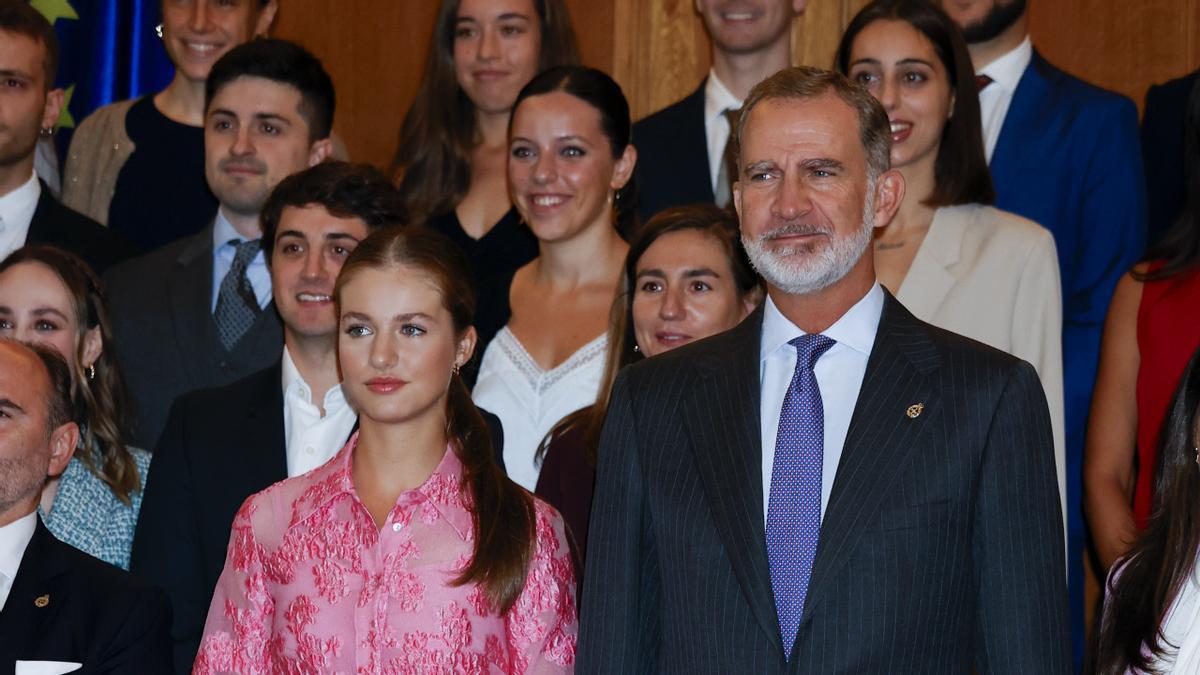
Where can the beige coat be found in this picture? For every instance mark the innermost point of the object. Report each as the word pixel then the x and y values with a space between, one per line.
pixel 993 276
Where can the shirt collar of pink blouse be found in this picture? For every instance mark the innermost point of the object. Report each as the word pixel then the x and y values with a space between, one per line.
pixel 442 489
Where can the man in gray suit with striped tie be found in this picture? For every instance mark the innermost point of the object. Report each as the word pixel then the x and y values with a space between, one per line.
pixel 833 486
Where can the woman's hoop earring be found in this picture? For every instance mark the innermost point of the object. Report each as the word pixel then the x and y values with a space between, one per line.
pixel 1197 451
pixel 456 368
pixel 158 30
pixel 91 372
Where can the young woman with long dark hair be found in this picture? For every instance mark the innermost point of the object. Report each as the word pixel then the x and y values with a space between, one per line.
pixel 51 297
pixel 951 258
pixel 1151 618
pixel 409 551
pixel 1151 330
pixel 569 168
pixel 450 163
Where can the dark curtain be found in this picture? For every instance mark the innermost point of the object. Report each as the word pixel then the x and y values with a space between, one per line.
pixel 110 52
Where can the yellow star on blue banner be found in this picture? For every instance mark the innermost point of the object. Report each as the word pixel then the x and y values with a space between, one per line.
pixel 54 10
pixel 65 120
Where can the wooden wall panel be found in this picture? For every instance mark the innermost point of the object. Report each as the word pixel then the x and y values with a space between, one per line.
pixel 1122 46
pixel 658 51
pixel 374 51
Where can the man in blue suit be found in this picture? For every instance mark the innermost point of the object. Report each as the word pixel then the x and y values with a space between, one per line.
pixel 1065 154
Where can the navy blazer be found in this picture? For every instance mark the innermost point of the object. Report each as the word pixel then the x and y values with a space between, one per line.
pixel 1163 131
pixel 1069 158
pixel 672 166
pixel 54 224
pixel 67 606
pixel 940 547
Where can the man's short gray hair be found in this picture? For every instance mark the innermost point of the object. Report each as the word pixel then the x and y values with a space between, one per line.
pixel 804 83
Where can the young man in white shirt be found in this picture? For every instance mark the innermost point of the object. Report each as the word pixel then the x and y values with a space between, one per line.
pixel 681 148
pixel 222 445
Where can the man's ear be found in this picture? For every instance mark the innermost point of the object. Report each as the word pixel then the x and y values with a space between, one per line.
pixel 320 151
pixel 798 6
pixel 53 108
pixel 266 16
pixel 62 447
pixel 889 194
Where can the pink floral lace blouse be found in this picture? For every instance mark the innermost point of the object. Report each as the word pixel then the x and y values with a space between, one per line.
pixel 310 585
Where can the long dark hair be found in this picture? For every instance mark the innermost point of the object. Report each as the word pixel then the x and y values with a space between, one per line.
pixel 960 171
pixel 1179 248
pixel 595 88
pixel 501 513
pixel 1149 578
pixel 438 134
pixel 707 219
pixel 101 402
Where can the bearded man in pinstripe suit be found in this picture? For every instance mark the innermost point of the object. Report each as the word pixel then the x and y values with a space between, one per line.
pixel 833 486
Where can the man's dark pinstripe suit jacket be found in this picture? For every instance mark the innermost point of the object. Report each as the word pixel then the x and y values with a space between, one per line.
pixel 940 549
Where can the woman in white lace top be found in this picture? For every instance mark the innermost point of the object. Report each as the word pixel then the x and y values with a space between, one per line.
pixel 569 162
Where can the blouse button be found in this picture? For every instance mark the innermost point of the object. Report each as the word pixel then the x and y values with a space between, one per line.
pixel 396 527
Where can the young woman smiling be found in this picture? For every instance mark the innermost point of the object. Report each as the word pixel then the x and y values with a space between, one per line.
pixel 409 551
pixel 947 256
pixel 453 149
pixel 570 158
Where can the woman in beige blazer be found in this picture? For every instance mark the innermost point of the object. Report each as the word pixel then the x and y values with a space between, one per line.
pixel 951 259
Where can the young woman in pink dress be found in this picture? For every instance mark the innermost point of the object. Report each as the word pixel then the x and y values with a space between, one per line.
pixel 380 561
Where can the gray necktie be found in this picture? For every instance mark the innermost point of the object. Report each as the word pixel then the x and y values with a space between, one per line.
pixel 727 175
pixel 237 305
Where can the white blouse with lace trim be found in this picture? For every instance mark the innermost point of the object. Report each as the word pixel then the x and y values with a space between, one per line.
pixel 529 401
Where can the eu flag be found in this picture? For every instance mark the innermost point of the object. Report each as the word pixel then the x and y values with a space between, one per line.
pixel 110 52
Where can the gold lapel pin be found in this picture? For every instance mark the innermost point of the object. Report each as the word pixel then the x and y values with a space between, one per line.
pixel 914 410
pixel 42 601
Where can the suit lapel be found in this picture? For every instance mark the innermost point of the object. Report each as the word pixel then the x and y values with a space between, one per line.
pixel 881 438
pixel 35 600
pixel 694 128
pixel 1022 126
pixel 723 422
pixel 42 228
pixel 190 291
pixel 930 277
pixel 264 431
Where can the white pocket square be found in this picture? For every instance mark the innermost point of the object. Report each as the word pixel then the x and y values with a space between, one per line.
pixel 46 667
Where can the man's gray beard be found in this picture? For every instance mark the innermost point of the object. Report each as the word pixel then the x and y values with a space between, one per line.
pixel 798 271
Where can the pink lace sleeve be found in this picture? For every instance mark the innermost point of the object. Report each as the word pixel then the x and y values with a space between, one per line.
pixel 542 625
pixel 237 631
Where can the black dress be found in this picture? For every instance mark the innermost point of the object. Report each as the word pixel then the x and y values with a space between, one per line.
pixel 494 259
pixel 161 193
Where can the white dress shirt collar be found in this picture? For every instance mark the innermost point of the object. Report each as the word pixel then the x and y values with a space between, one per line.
pixel 14 539
pixel 223 231
pixel 16 213
pixel 1007 70
pixel 717 99
pixel 855 329
pixel 994 100
pixel 310 437
pixel 839 374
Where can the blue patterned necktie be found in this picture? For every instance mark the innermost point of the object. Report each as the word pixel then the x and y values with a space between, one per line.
pixel 794 509
pixel 237 305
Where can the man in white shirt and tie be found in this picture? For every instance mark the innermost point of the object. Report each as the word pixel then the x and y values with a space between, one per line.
pixel 197 313
pixel 833 486
pixel 681 148
pixel 224 444
pixel 59 606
